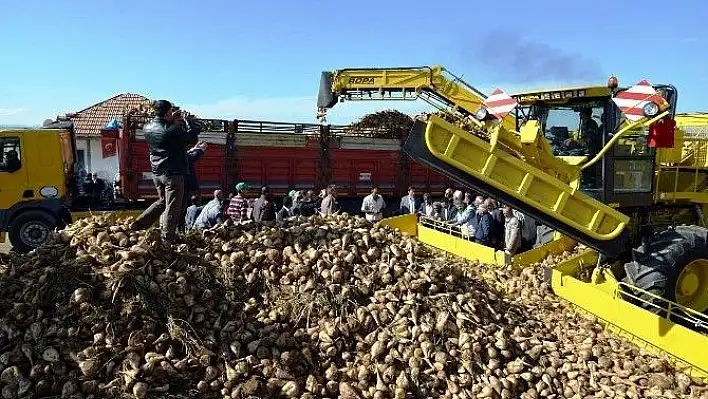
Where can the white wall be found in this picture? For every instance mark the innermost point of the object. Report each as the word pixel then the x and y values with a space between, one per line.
pixel 94 161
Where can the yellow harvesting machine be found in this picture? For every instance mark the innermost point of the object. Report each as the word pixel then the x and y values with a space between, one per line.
pixel 614 168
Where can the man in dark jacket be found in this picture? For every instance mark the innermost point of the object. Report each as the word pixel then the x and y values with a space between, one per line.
pixel 449 210
pixel 309 204
pixel 194 154
pixel 263 208
pixel 167 136
pixel 99 186
pixel 411 203
pixel 191 183
pixel 11 163
pixel 496 233
pixel 484 225
pixel 286 211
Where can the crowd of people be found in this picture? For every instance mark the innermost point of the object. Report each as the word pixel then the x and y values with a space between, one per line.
pixel 239 207
pixel 483 220
pixel 179 208
pixel 477 218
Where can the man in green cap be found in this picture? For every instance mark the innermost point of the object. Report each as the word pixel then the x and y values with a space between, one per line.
pixel 238 206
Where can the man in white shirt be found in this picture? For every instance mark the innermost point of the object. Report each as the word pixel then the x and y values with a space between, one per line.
pixel 373 206
pixel 427 205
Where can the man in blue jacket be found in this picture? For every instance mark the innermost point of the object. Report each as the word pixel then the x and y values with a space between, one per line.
pixel 167 136
pixel 192 212
pixel 483 232
pixel 212 213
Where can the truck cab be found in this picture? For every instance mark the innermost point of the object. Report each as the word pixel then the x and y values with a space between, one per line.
pixel 36 182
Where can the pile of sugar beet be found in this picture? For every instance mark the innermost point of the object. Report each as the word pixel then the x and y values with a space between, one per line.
pixel 312 308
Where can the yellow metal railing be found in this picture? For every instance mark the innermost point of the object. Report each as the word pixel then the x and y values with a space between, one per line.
pixel 692 135
pixel 456 240
pixel 669 310
pixel 445 227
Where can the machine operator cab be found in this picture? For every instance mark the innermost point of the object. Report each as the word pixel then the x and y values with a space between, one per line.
pixel 579 123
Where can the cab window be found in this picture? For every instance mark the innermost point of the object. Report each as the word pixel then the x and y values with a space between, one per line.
pixel 573 130
pixel 634 164
pixel 10 154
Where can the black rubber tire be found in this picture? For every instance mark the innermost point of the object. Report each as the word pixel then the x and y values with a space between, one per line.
pixel 655 267
pixel 41 220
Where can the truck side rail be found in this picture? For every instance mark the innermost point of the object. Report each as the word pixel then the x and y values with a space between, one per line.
pixel 309 129
pixel 135 121
pixel 270 127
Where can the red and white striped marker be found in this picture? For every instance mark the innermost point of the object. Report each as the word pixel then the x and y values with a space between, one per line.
pixel 499 104
pixel 632 101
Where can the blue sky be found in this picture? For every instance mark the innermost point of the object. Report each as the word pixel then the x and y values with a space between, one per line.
pixel 262 59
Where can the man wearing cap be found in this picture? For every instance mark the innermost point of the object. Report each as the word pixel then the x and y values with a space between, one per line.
pixel 238 206
pixel 167 136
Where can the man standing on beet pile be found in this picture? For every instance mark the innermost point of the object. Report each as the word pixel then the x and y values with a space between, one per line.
pixel 167 136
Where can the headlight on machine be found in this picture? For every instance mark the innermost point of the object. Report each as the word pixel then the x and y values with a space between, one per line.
pixel 481 114
pixel 651 109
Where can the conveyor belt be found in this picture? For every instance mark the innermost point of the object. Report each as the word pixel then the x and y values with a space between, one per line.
pixel 472 162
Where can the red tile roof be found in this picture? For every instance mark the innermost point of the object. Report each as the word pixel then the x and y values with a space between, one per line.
pixel 89 122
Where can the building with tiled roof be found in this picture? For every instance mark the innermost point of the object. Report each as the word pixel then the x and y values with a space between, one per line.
pixel 88 124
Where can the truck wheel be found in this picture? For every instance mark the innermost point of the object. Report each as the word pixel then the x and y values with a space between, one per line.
pixel 674 266
pixel 31 229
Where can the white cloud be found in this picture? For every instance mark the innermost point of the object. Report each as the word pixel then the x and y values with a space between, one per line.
pixel 27 117
pixel 12 111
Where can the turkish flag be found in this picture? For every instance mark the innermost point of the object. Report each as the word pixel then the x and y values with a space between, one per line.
pixel 109 147
pixel 661 133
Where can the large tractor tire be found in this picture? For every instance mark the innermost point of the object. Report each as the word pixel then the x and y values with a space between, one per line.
pixel 31 229
pixel 673 266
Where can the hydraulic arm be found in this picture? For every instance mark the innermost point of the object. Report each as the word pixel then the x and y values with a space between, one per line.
pixel 445 91
pixel 433 84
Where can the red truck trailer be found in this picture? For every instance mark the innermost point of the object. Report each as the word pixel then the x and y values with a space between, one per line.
pixel 283 156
